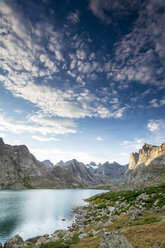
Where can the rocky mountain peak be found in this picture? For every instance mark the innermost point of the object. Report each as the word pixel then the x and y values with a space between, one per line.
pixel 1 141
pixel 48 164
pixel 146 155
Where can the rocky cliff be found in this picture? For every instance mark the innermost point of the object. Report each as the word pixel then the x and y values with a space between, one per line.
pixel 107 172
pixel 146 155
pixel 48 164
pixel 20 169
pixel 79 171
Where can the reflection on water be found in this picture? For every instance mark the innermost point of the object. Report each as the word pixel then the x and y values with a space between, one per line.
pixel 35 212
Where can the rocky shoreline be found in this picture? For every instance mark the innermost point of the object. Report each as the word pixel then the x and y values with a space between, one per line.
pixel 109 220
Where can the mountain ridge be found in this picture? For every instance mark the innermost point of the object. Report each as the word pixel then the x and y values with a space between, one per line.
pixel 146 155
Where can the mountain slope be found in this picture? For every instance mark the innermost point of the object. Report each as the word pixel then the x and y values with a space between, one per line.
pixel 146 167
pixel 20 169
pixel 107 172
pixel 79 171
pixel 66 179
pixel 146 155
pixel 48 164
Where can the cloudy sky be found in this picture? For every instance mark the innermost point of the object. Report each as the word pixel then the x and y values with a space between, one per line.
pixel 82 79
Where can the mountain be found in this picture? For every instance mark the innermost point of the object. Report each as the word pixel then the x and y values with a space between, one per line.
pixel 66 179
pixel 107 172
pixel 146 155
pixel 20 169
pixel 48 164
pixel 146 167
pixel 60 163
pixel 79 171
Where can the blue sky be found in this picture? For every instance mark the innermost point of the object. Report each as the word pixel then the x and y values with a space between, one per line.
pixel 82 79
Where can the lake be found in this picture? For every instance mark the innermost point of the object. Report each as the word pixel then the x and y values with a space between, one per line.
pixel 37 212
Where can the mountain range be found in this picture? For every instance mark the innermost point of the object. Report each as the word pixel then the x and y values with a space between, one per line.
pixel 20 169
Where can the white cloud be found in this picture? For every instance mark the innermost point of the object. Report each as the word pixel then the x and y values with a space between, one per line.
pixel 133 62
pixel 154 125
pixel 157 103
pixel 99 138
pixel 18 111
pixel 81 54
pixel 24 60
pixel 100 8
pixel 137 143
pixel 45 127
pixel 44 139
pixel 74 17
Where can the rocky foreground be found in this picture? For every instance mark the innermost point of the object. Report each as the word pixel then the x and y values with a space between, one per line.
pixel 122 219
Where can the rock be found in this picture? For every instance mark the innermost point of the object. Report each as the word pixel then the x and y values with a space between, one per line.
pixel 156 202
pixel 114 240
pixel 111 209
pixel 68 236
pixel 32 240
pixel 136 214
pixel 142 197
pixel 83 235
pixel 163 208
pixel 14 242
pixel 162 218
pixel 146 155
pixel 1 245
pixel 102 231
pixel 92 232
pixel 58 234
pixel 107 223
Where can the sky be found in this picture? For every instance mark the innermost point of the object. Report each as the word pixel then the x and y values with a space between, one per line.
pixel 82 79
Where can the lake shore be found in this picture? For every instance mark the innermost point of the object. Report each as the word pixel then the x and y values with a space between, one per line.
pixel 135 218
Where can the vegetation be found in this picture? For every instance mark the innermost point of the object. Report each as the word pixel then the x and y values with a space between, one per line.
pixel 146 231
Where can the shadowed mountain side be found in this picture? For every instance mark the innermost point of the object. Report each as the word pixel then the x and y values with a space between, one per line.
pixel 20 169
pixel 107 172
pixel 66 179
pixel 48 164
pixel 79 171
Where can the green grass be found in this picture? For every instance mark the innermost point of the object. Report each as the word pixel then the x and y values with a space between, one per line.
pixel 129 196
pixel 145 221
pixel 56 244
pixel 61 243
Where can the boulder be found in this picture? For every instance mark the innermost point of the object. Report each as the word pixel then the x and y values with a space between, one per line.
pixel 14 242
pixel 142 197
pixel 32 240
pixel 114 240
pixel 136 214
pixel 83 235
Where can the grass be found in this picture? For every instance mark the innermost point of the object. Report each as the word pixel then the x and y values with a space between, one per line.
pixel 61 243
pixel 129 197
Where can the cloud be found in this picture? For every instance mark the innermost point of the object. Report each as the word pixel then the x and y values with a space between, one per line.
pixel 140 54
pixel 18 111
pixel 44 126
pixel 157 103
pixel 74 17
pixel 137 143
pixel 26 60
pixel 99 138
pixel 154 125
pixel 100 8
pixel 44 139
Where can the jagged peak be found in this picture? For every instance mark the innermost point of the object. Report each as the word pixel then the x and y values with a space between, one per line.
pixel 1 141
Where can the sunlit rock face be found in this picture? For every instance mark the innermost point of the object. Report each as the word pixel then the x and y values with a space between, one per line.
pixel 147 155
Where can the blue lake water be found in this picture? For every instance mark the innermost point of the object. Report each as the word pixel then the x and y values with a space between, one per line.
pixel 36 212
